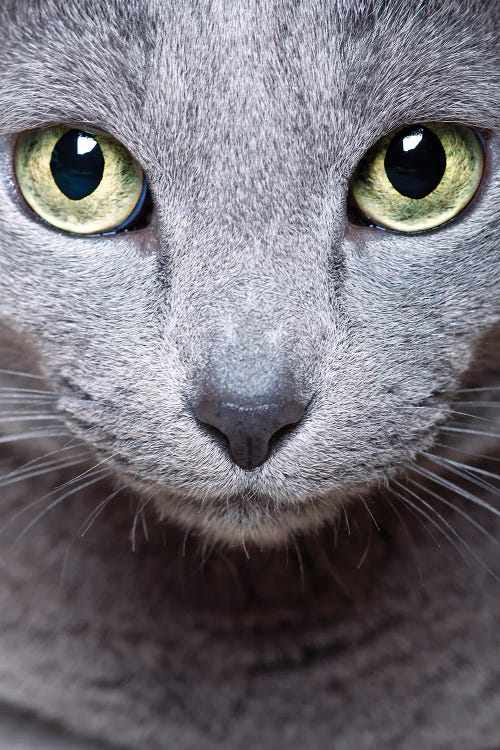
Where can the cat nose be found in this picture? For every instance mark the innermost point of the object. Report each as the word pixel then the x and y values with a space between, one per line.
pixel 250 428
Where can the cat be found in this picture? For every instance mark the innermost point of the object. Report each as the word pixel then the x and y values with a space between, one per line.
pixel 250 490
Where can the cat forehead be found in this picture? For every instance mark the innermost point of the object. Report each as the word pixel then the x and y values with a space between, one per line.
pixel 344 70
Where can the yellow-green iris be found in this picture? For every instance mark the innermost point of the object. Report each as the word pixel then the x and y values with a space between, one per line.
pixel 419 176
pixel 77 181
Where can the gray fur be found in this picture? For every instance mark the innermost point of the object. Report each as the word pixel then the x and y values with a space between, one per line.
pixel 249 122
pixel 249 119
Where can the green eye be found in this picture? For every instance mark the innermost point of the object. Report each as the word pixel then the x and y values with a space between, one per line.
pixel 79 182
pixel 419 176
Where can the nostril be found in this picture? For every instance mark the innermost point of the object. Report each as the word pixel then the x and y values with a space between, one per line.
pixel 248 431
pixel 218 436
pixel 281 435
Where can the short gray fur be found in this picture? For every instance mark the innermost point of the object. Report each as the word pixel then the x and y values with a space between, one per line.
pixel 249 119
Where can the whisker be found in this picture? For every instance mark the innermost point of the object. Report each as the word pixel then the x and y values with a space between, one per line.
pixel 347 525
pixel 367 548
pixel 481 483
pixel 430 518
pixel 91 471
pixel 300 561
pixel 85 526
pixel 455 488
pixel 31 417
pixel 12 401
pixel 368 510
pixel 474 390
pixel 32 391
pixel 415 515
pixel 244 547
pixel 441 460
pixel 99 476
pixel 15 399
pixel 68 447
pixel 466 431
pixel 43 461
pixel 207 551
pixel 138 513
pixel 33 435
pixel 187 534
pixel 453 412
pixel 91 519
pixel 467 452
pixel 145 529
pixel 17 373
pixel 88 471
pixel 477 403
pixel 454 532
pixel 43 469
pixel 471 416
pixel 456 509
pixel 406 530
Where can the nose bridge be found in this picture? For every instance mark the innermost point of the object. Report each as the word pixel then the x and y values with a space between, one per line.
pixel 253 353
pixel 249 307
pixel 250 317
pixel 252 347
pixel 261 258
pixel 258 307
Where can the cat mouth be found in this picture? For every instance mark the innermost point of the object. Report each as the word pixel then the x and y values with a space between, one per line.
pixel 253 515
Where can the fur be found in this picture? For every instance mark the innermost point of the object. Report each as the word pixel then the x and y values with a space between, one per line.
pixel 249 119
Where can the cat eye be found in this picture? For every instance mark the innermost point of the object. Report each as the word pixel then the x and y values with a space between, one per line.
pixel 418 177
pixel 81 182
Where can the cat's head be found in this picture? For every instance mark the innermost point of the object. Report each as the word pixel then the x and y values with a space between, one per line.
pixel 253 353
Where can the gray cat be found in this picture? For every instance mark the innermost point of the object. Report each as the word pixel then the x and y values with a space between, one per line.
pixel 249 306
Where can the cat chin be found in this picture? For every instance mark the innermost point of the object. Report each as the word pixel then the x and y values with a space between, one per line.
pixel 243 521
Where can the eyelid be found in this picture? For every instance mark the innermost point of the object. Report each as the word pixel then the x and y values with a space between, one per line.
pixel 89 128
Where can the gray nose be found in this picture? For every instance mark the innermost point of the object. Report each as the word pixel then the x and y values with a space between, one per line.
pixel 250 428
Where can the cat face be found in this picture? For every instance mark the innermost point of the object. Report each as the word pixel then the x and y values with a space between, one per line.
pixel 252 357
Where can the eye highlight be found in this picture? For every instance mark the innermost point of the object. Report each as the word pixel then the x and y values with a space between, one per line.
pixel 80 182
pixel 419 176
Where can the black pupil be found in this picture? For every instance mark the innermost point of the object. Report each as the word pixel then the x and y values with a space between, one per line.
pixel 77 164
pixel 415 162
